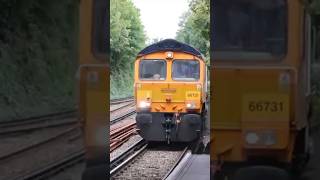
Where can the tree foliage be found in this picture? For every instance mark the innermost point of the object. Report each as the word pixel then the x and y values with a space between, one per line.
pixel 312 6
pixel 127 38
pixel 195 26
pixel 126 33
pixel 37 56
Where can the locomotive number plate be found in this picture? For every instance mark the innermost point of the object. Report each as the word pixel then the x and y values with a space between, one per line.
pixel 192 95
pixel 265 105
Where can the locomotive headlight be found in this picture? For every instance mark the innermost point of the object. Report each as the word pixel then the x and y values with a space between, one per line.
pixel 252 138
pixel 144 104
pixel 265 138
pixel 191 105
pixel 169 55
pixel 269 138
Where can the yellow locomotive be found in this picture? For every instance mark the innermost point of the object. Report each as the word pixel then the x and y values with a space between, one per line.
pixel 261 85
pixel 170 85
pixel 94 86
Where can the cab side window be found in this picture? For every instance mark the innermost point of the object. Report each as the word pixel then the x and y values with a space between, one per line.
pixel 100 41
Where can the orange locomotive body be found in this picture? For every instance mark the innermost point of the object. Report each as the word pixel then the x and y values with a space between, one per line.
pixel 261 84
pixel 94 85
pixel 170 92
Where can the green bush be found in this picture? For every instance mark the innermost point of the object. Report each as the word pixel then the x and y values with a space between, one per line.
pixel 121 83
pixel 195 27
pixel 38 57
pixel 127 38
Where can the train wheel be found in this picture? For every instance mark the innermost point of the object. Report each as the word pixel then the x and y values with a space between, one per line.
pixel 261 173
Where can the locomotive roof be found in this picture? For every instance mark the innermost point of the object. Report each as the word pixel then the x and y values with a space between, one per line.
pixel 169 45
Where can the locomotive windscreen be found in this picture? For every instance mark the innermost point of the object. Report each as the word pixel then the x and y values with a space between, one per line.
pixel 250 26
pixel 100 26
pixel 185 70
pixel 152 70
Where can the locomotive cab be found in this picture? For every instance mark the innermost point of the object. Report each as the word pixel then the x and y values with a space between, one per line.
pixel 170 92
pixel 261 84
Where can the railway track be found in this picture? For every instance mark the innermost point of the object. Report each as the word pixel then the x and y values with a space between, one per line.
pixel 53 119
pixel 56 119
pixel 54 167
pixel 122 128
pixel 122 116
pixel 36 144
pixel 142 161
pixel 39 122
pixel 24 146
pixel 124 109
pixel 120 161
pixel 120 107
pixel 121 134
pixel 43 166
pixel 121 100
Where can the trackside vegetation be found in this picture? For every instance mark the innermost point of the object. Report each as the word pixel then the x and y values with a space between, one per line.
pixel 38 57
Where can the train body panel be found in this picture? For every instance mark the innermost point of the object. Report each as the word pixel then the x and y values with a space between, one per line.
pixel 93 74
pixel 261 103
pixel 259 93
pixel 170 97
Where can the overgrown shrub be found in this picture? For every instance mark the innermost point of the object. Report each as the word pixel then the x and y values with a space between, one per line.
pixel 127 38
pixel 121 83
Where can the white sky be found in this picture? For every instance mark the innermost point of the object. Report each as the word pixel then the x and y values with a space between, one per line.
pixel 160 18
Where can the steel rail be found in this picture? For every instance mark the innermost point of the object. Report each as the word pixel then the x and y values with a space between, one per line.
pixel 122 117
pixel 122 107
pixel 121 100
pixel 37 144
pixel 34 123
pixel 176 163
pixel 128 155
pixel 54 167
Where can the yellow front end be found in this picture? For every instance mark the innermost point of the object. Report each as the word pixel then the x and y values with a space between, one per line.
pixel 251 114
pixel 170 96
